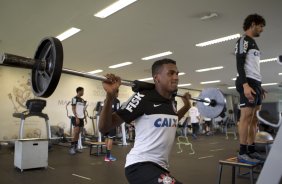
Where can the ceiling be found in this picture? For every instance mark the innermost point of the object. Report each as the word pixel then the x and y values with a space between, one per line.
pixel 144 28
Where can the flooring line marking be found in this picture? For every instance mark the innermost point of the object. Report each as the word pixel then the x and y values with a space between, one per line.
pixel 96 163
pixel 210 156
pixel 214 142
pixel 220 149
pixel 81 177
pixel 51 167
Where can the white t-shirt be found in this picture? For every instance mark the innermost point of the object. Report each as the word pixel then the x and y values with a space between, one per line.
pixel 79 104
pixel 194 114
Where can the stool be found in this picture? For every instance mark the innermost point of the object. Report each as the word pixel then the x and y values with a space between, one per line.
pixel 233 162
pixel 99 148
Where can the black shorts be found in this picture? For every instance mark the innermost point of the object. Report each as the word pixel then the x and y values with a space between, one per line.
pixel 81 122
pixel 208 123
pixel 111 134
pixel 256 85
pixel 148 172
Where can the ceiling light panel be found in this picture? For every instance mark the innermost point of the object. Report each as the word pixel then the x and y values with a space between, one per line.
pixel 120 65
pixel 118 5
pixel 146 79
pixel 95 71
pixel 269 84
pixel 218 40
pixel 267 60
pixel 182 85
pixel 68 33
pixel 210 82
pixel 157 55
pixel 209 69
pixel 232 87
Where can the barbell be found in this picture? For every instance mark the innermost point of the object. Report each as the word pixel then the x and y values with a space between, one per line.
pixel 47 66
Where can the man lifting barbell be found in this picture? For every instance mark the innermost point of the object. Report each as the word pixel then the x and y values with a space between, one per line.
pixel 156 119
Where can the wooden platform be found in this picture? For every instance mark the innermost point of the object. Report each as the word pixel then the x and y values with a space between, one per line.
pixel 233 162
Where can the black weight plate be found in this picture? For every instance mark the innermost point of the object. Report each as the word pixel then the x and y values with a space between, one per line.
pixel 211 111
pixel 44 82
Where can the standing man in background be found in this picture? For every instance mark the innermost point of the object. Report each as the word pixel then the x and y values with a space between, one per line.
pixel 195 119
pixel 78 109
pixel 248 85
pixel 112 133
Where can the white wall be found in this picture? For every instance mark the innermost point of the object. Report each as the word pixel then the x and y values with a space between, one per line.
pixel 16 89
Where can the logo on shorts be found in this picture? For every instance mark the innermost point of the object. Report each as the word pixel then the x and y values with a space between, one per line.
pixel 166 179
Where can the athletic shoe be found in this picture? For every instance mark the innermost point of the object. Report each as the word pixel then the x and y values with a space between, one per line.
pixel 78 151
pixel 106 159
pixel 247 160
pixel 194 136
pixel 72 151
pixel 112 158
pixel 257 156
pixel 109 159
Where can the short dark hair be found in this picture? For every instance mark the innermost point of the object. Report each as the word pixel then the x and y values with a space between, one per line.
pixel 257 19
pixel 159 63
pixel 79 89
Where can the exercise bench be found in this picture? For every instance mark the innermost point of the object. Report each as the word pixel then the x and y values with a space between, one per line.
pixel 99 148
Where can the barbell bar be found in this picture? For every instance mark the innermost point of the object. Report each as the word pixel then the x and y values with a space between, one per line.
pixel 47 66
pixel 13 60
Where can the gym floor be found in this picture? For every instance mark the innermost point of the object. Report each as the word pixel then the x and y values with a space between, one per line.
pixel 202 167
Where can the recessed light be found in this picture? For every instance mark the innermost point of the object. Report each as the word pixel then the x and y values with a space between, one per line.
pixel 68 33
pixel 120 65
pixel 210 82
pixel 118 5
pixel 209 69
pixel 218 40
pixel 267 60
pixel 157 55
pixel 182 85
pixel 146 79
pixel 232 87
pixel 95 71
pixel 269 84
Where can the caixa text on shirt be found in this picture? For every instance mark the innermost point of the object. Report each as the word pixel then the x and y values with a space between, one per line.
pixel 166 122
pixel 135 100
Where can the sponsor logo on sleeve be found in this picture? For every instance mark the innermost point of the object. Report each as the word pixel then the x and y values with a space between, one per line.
pixel 245 47
pixel 133 103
